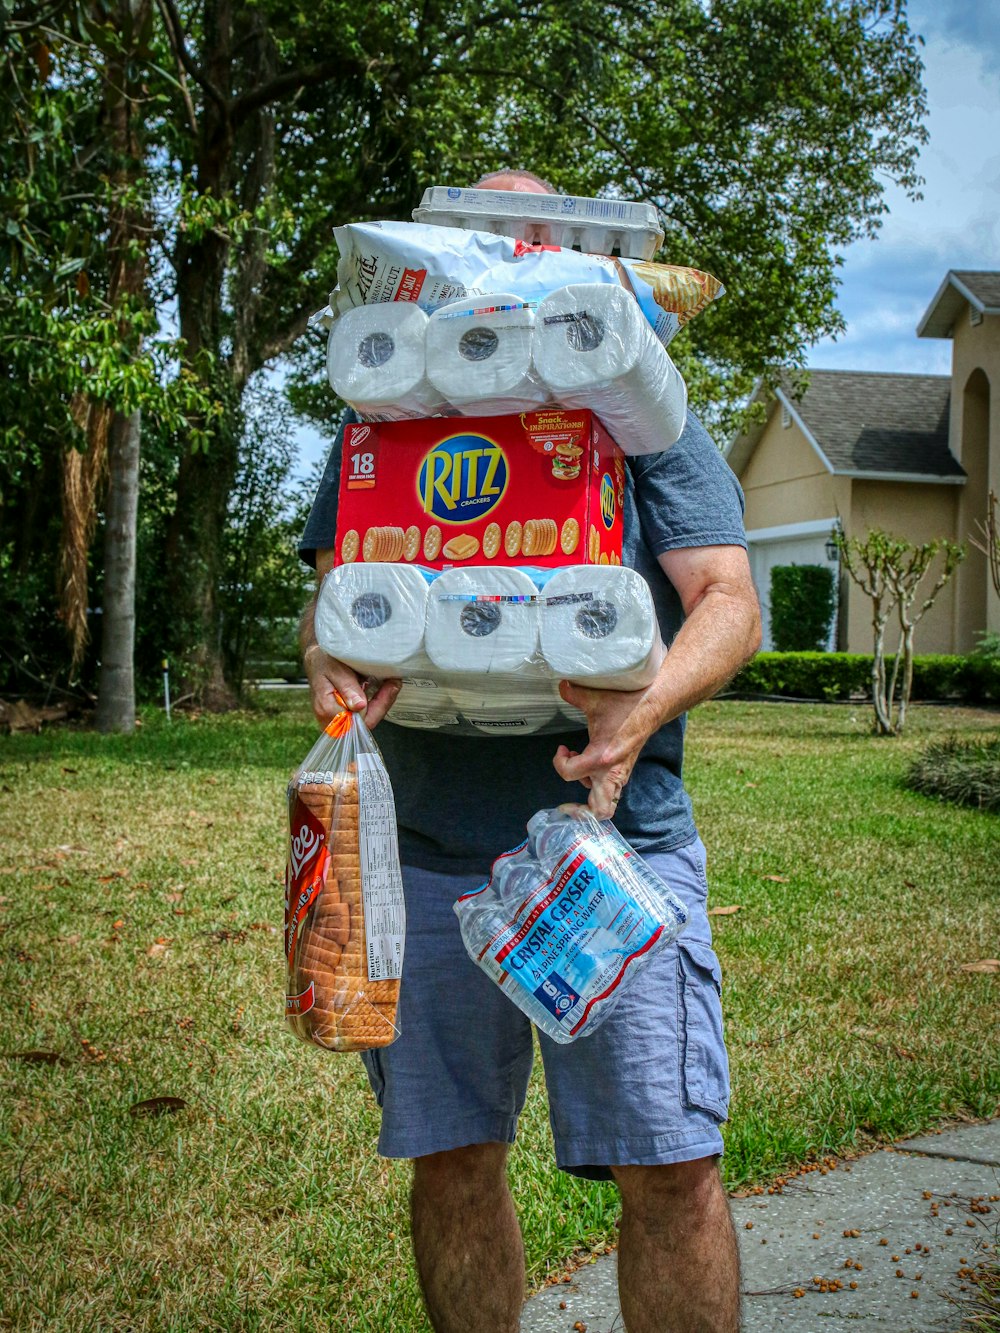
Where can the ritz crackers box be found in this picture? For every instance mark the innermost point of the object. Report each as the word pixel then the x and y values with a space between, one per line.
pixel 540 488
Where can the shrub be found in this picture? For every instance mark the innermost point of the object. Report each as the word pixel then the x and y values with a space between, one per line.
pixel 964 772
pixel 802 606
pixel 832 676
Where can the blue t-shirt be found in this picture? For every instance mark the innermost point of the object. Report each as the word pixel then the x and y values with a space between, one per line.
pixel 461 800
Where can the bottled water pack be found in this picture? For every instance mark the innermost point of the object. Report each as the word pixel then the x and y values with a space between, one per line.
pixel 568 921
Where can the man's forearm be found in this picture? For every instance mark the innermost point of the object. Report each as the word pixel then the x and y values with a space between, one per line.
pixel 719 636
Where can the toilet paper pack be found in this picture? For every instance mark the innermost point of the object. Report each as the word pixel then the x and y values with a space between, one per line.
pixel 539 488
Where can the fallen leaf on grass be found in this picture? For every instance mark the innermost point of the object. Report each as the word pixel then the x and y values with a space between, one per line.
pixel 751 784
pixel 37 1057
pixel 158 947
pixel 157 1106
pixel 723 911
pixel 778 879
pixel 983 965
pixel 115 874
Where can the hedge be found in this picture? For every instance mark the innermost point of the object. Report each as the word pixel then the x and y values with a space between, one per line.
pixel 802 607
pixel 830 676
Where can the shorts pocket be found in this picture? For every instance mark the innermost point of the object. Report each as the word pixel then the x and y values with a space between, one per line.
pixel 704 1065
pixel 372 1061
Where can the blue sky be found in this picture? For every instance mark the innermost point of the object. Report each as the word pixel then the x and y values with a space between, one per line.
pixel 887 283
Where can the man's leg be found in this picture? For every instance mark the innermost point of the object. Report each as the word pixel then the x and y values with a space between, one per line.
pixel 678 1262
pixel 470 1259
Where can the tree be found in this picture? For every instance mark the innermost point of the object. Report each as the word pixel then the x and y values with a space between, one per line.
pixel 890 570
pixel 764 130
pixel 988 540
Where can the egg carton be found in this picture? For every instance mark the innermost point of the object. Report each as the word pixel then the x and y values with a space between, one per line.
pixel 593 226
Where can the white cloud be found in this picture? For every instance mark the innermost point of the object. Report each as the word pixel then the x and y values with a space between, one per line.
pixel 891 280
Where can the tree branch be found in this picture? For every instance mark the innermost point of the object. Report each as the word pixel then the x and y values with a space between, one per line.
pixel 175 34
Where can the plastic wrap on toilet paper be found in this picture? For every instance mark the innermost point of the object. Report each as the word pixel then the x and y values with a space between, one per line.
pixel 481 649
pixel 482 620
pixel 598 625
pixel 374 617
pixel 430 266
pixel 376 362
pixel 593 349
pixel 479 355
pixel 568 921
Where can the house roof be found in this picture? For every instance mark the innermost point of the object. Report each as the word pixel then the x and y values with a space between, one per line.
pixel 868 424
pixel 979 289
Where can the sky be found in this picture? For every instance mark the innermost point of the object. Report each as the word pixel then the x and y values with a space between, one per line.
pixel 888 283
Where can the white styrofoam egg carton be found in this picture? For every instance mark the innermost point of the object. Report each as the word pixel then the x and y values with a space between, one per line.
pixel 594 226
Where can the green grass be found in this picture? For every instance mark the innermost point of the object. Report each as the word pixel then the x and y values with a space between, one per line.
pixel 140 915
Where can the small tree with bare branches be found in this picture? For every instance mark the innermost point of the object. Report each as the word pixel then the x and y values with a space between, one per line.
pixel 990 543
pixel 890 570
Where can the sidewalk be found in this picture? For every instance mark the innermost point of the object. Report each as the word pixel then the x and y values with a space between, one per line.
pixel 919 1197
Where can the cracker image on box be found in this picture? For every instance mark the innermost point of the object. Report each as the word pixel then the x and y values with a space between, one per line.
pixel 506 489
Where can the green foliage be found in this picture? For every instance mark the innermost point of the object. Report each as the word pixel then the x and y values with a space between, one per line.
pixel 965 772
pixel 802 606
pixel 831 676
pixel 266 584
pixel 765 131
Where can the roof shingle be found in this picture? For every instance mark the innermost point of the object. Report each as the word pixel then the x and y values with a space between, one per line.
pixel 874 422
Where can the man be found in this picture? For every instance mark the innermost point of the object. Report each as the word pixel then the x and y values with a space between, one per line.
pixel 641 1099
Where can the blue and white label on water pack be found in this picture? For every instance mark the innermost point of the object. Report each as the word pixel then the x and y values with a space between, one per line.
pixel 568 920
pixel 572 939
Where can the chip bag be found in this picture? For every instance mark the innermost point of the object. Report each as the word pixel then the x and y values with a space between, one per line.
pixel 568 921
pixel 344 916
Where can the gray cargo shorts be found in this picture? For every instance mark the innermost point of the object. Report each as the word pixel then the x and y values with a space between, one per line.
pixel 649 1087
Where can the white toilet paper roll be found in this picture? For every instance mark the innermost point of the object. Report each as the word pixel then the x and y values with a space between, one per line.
pixel 372 617
pixel 598 627
pixel 479 355
pixel 376 361
pixel 593 348
pixel 477 622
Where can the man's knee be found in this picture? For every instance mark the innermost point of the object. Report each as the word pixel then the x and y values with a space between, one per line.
pixel 480 1168
pixel 649 1192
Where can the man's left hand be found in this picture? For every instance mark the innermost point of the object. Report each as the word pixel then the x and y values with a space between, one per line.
pixel 620 722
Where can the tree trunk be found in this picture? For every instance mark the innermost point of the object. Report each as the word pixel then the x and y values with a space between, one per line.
pixel 127 247
pixel 116 690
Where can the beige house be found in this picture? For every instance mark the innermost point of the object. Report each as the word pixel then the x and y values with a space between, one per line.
pixel 915 455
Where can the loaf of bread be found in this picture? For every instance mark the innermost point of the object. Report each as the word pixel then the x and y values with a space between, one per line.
pixel 338 1007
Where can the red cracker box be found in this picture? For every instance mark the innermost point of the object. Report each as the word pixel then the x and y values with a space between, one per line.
pixel 540 488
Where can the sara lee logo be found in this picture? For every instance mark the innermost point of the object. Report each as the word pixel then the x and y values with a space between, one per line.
pixel 462 478
pixel 308 857
pixel 607 500
pixel 302 850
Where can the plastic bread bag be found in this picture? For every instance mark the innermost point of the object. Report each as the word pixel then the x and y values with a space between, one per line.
pixel 344 915
pixel 430 266
pixel 568 921
pixel 481 649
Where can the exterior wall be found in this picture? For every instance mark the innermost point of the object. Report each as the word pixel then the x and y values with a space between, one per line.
pixel 920 512
pixel 787 484
pixel 975 441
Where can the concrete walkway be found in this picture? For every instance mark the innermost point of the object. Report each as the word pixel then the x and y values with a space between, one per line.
pixel 900 1223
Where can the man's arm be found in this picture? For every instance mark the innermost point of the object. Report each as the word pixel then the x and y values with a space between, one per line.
pixel 328 677
pixel 720 633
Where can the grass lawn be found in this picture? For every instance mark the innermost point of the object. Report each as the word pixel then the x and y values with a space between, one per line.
pixel 140 945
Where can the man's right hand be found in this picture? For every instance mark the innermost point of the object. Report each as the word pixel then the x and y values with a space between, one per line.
pixel 328 677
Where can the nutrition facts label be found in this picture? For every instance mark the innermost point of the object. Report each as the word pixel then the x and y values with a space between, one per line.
pixel 382 882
